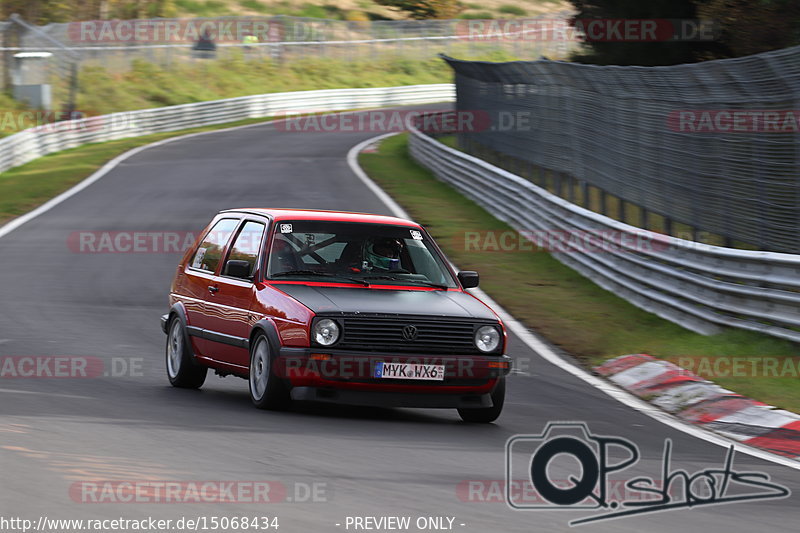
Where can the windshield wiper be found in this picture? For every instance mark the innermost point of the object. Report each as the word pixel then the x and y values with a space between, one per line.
pixel 419 281
pixel 321 274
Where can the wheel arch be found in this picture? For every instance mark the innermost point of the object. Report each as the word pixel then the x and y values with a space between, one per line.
pixel 178 310
pixel 266 327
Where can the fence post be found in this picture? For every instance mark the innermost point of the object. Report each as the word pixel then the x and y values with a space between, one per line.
pixel 603 203
pixel 11 39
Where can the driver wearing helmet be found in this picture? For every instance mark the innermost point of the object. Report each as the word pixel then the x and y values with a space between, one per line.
pixel 383 253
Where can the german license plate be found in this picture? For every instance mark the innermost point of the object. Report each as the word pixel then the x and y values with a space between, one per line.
pixel 409 371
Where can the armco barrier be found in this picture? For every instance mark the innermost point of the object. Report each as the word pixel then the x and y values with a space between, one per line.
pixel 33 143
pixel 698 286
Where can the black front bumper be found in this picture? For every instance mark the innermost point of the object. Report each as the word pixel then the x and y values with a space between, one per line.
pixel 391 399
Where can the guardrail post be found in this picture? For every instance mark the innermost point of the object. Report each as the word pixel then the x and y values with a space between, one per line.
pixel 667 225
pixel 584 188
pixel 603 202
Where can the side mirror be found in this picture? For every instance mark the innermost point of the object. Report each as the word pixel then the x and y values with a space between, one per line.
pixel 468 279
pixel 237 269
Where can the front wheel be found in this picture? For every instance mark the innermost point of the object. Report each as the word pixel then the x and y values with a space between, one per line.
pixel 182 371
pixel 485 415
pixel 266 389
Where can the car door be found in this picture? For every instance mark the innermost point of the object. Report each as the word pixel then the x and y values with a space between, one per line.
pixel 199 274
pixel 228 305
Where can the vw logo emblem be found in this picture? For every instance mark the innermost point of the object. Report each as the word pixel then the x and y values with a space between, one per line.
pixel 409 333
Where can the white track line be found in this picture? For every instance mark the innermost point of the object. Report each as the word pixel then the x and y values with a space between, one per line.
pixel 105 169
pixel 538 345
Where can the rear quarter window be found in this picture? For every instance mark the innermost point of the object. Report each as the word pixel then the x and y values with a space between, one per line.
pixel 209 253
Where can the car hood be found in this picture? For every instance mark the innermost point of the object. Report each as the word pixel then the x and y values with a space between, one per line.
pixel 348 300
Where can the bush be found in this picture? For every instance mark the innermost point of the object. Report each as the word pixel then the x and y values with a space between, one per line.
pixel 480 15
pixel 254 5
pixel 509 9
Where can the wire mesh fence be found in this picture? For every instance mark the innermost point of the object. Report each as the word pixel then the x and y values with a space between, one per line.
pixel 114 45
pixel 714 146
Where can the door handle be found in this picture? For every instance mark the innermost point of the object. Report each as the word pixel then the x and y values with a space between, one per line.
pixel 212 289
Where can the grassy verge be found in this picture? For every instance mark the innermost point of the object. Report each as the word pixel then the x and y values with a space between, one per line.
pixel 570 311
pixel 147 85
pixel 28 186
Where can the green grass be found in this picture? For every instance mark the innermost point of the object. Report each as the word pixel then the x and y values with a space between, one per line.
pixel 254 5
pixel 9 118
pixel 578 316
pixel 509 9
pixel 479 15
pixel 147 85
pixel 207 8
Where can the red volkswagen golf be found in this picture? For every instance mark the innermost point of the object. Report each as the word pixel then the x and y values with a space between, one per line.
pixel 334 307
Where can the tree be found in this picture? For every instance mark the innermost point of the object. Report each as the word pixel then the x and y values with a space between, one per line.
pixel 46 11
pixel 742 27
pixel 426 9
pixel 751 27
pixel 37 11
pixel 648 53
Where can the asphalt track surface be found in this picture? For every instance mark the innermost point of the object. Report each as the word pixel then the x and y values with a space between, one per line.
pixel 370 462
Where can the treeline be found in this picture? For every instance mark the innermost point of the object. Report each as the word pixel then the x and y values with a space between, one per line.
pixel 44 11
pixel 738 28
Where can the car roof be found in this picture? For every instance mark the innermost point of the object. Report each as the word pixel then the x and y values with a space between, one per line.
pixel 315 214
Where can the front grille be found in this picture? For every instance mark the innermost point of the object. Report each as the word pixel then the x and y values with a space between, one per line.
pixel 433 335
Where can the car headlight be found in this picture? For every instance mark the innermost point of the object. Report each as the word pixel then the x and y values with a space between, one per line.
pixel 326 332
pixel 487 338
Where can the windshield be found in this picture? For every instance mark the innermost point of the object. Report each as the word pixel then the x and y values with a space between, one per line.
pixel 356 253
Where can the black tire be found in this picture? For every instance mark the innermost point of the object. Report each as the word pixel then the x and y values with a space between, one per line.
pixel 485 415
pixel 182 370
pixel 267 391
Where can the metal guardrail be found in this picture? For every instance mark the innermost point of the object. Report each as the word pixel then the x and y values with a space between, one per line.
pixel 698 286
pixel 36 142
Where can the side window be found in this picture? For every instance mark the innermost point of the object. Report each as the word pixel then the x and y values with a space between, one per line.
pixel 424 262
pixel 246 246
pixel 209 253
